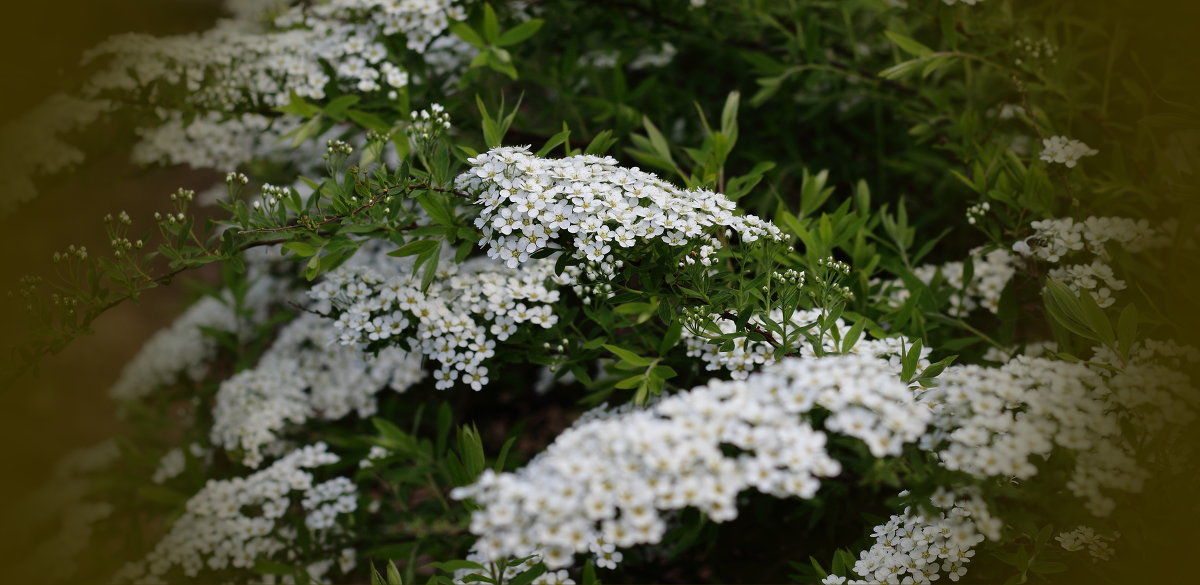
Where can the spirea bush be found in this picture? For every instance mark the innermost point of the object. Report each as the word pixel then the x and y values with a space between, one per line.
pixel 674 291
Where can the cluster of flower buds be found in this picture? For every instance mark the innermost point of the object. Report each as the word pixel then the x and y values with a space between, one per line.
pixel 73 251
pixel 977 211
pixel 429 123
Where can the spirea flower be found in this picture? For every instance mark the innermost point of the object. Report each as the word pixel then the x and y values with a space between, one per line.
pixel 590 207
pixel 1000 422
pixel 458 321
pixel 1060 149
pixel 991 273
pixel 606 480
pixel 219 528
pixel 915 547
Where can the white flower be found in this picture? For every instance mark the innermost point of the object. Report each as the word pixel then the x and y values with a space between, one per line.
pixel 608 477
pixel 1060 149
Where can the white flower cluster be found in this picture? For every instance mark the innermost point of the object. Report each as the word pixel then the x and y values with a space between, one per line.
pixel 651 57
pixel 748 356
pixel 232 523
pixel 252 407
pixel 375 453
pixel 341 378
pixel 55 558
pixel 62 509
pixel 222 67
pixel 1152 386
pixel 588 205
pixel 183 349
pixel 251 12
pixel 180 349
pixel 217 141
pixel 1084 537
pixel 242 65
pixel 914 547
pixel 604 481
pixel 35 144
pixel 1055 238
pixel 304 375
pixel 88 459
pixel 991 273
pixel 1060 149
pixel 458 321
pixel 430 122
pixel 993 422
pixel 1097 279
pixel 1038 49
pixel 977 211
pixel 171 465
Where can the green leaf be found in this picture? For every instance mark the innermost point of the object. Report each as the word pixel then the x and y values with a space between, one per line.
pixel 902 69
pixel 729 114
pixel 298 107
pixel 369 121
pixel 434 205
pixel 908 45
pixel 1127 325
pixel 520 32
pixel 1096 319
pixel 491 25
pixel 393 575
pixel 1063 306
pixel 658 141
pixel 456 565
pixel 909 361
pixel 336 108
pixel 269 567
pixel 431 266
pixel 628 356
pixel 600 143
pixel 301 249
pixel 414 248
pixel 663 372
pixel 503 456
pixel 630 382
pixel 853 335
pixel 468 34
pixel 589 574
pixel 821 572
pixel 935 369
pixel 671 337
pixel 555 140
pixel 633 308
pixel 528 576
pixel 310 129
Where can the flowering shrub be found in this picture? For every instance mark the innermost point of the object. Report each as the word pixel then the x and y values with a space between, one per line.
pixel 838 320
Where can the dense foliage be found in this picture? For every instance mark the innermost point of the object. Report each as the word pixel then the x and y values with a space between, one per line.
pixel 631 291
